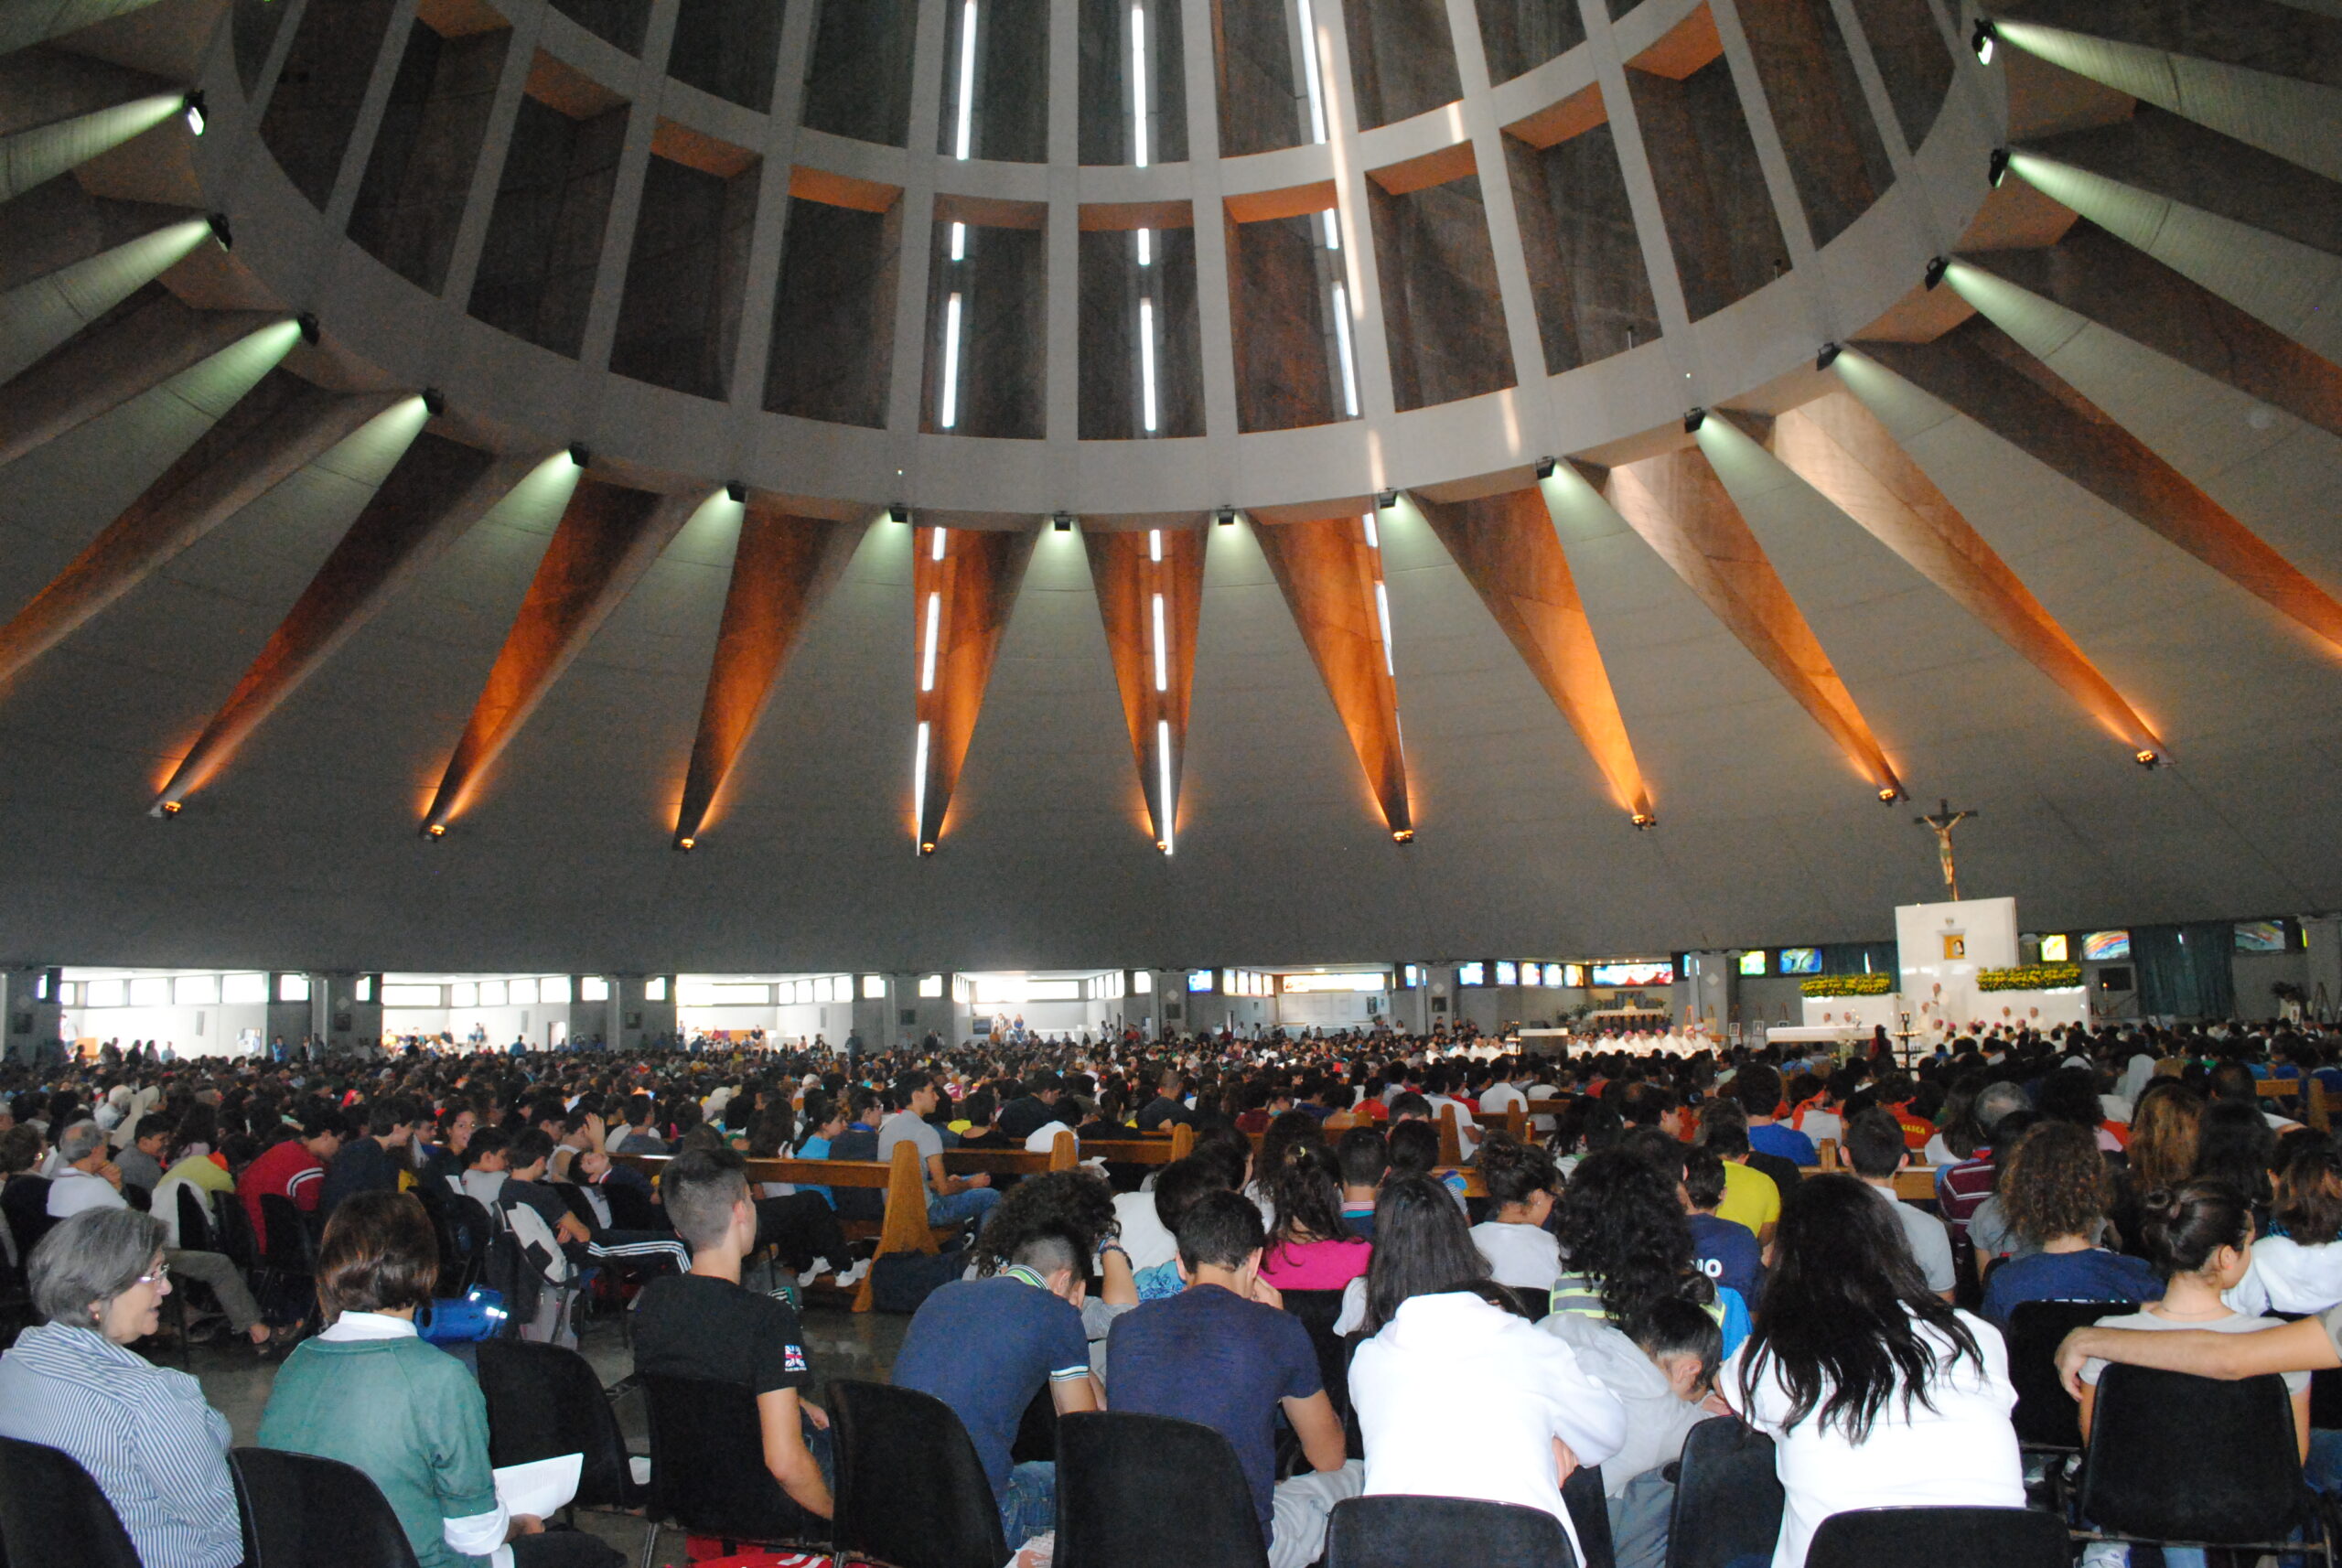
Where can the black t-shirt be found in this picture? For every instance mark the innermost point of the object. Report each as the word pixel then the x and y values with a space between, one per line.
pixel 1163 1112
pixel 538 1196
pixel 692 1325
pixel 1021 1118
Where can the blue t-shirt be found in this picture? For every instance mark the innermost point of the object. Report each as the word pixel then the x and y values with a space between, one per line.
pixel 816 1148
pixel 985 1348
pixel 1785 1141
pixel 2095 1275
pixel 1209 1354
pixel 1728 1252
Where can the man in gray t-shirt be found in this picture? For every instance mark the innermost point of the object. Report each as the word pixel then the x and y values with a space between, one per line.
pixel 949 1197
pixel 1875 1148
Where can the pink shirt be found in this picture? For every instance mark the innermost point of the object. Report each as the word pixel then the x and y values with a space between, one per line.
pixel 1316 1265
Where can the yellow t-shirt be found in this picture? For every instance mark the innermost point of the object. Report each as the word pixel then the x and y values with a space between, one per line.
pixel 1750 1196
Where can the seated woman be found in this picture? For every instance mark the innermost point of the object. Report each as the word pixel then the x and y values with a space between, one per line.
pixel 370 1392
pixel 142 1432
pixel 2238 1146
pixel 1876 1393
pixel 1522 1183
pixel 1457 1395
pixel 2298 1267
pixel 1309 1247
pixel 1627 1242
pixel 2054 1189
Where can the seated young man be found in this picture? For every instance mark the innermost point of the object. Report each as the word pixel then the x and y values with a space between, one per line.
pixel 1223 1352
pixel 1876 1148
pixel 1365 1154
pixel 525 1183
pixel 705 1324
pixel 949 1197
pixel 1726 1250
pixel 985 1347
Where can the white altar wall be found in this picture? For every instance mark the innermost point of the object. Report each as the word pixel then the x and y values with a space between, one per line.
pixel 1941 947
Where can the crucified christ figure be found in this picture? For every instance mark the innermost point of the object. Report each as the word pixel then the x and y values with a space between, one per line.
pixel 1943 820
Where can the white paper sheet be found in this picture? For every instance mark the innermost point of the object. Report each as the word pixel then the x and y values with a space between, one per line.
pixel 542 1488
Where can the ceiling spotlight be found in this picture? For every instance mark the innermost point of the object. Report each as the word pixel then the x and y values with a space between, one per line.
pixel 1385 499
pixel 193 107
pixel 1829 356
pixel 168 810
pixel 735 492
pixel 310 330
pixel 1161 845
pixel 1546 466
pixel 1888 794
pixel 220 231
pixel 1936 269
pixel 580 454
pixel 1064 521
pixel 899 511
pixel 1693 420
pixel 435 402
pixel 687 844
pixel 1644 821
pixel 435 830
pixel 1403 836
pixel 1997 167
pixel 1983 39
pixel 2147 759
pixel 1228 516
pixel 927 849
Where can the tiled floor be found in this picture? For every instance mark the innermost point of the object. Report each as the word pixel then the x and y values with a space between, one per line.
pixel 841 1344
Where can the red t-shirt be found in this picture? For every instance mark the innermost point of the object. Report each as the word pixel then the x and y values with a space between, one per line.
pixel 286 1170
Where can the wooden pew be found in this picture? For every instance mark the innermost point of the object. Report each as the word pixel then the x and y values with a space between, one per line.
pixel 1137 1150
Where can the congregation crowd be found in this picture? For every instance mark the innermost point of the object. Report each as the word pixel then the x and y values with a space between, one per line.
pixel 1381 1266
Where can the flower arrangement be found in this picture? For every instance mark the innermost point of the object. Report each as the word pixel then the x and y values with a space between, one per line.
pixel 1847 986
pixel 2030 977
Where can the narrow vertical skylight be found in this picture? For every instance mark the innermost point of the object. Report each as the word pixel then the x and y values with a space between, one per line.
pixel 927 659
pixel 1333 229
pixel 1146 361
pixel 959 242
pixel 1341 341
pixel 936 553
pixel 1162 651
pixel 1146 247
pixel 1162 771
pixel 1155 544
pixel 1373 542
pixel 1308 70
pixel 1138 86
pixel 919 789
pixel 1383 610
pixel 967 75
pixel 949 414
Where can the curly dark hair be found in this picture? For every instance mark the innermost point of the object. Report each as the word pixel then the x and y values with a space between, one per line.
pixel 1621 1223
pixel 1074 1207
pixel 2056 1183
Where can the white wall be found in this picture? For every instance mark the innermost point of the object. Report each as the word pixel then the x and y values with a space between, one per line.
pixel 208 1031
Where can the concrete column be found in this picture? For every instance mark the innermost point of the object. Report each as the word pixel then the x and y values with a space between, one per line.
pixel 287 1021
pixel 641 1016
pixel 349 1024
pixel 28 1003
pixel 2323 933
pixel 911 1015
pixel 1711 987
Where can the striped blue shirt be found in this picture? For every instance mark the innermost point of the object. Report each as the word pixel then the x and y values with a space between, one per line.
pixel 143 1433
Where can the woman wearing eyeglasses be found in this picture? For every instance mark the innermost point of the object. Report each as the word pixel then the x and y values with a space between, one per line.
pixel 142 1432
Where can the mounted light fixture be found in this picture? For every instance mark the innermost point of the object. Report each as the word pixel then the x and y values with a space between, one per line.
pixel 1546 466
pixel 896 511
pixel 581 454
pixel 1936 269
pixel 1385 499
pixel 1403 836
pixel 687 844
pixel 1644 821
pixel 1693 420
pixel 192 105
pixel 435 830
pixel 310 330
pixel 927 849
pixel 1997 167
pixel 1064 521
pixel 2147 759
pixel 1228 516
pixel 220 231
pixel 1888 794
pixel 435 402
pixel 168 810
pixel 735 492
pixel 1983 39
pixel 1829 356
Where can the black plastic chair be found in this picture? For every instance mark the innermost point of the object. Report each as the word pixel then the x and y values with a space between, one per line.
pixel 544 1400
pixel 1403 1531
pixel 288 1256
pixel 1590 1516
pixel 2047 1419
pixel 24 1203
pixel 2199 1460
pixel 911 1492
pixel 1941 1538
pixel 304 1511
pixel 1728 1498
pixel 632 1208
pixel 1147 1491
pixel 53 1516
pixel 707 1468
pixel 195 1220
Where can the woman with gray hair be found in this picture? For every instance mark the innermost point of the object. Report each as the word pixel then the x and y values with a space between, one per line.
pixel 142 1432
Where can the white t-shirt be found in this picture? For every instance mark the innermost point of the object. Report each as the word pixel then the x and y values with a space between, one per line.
pixel 1499 1098
pixel 2285 1276
pixel 1961 1454
pixel 1459 1399
pixel 70 1191
pixel 1144 1237
pixel 2235 1322
pixel 1522 1255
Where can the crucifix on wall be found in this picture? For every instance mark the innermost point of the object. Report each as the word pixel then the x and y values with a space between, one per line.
pixel 1944 820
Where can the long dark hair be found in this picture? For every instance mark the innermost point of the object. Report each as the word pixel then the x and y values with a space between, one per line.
pixel 1843 1309
pixel 1305 1194
pixel 1422 1246
pixel 2237 1145
pixel 1621 1224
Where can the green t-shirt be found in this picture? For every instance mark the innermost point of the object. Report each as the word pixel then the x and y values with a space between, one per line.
pixel 404 1411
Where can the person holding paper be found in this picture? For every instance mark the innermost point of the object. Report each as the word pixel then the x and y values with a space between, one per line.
pixel 371 1393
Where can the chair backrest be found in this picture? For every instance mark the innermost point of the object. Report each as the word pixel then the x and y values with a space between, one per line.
pixel 707 1466
pixel 2046 1415
pixel 1941 1538
pixel 232 1231
pixel 861 1203
pixel 1727 1497
pixel 911 1492
pixel 1319 1310
pixel 195 1219
pixel 544 1400
pixel 308 1512
pixel 2177 1457
pixel 284 1241
pixel 53 1516
pixel 25 1205
pixel 1147 1491
pixel 1402 1532
pixel 1589 1513
pixel 632 1208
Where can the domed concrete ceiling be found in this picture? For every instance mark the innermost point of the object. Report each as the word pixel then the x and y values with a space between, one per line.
pixel 720 484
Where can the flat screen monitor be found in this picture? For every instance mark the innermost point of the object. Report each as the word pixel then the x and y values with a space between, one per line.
pixel 1800 960
pixel 1635 972
pixel 2106 947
